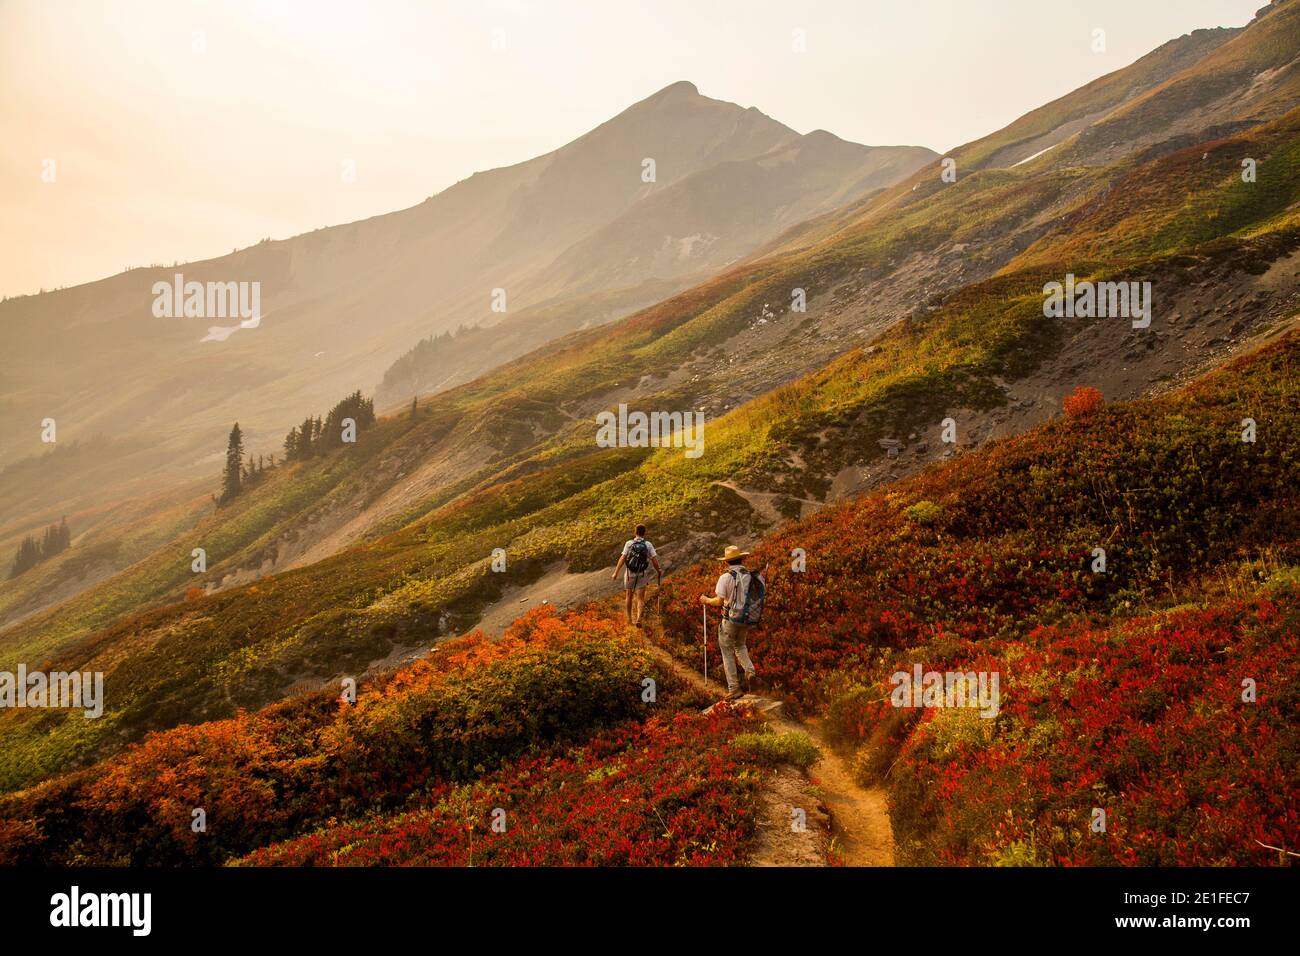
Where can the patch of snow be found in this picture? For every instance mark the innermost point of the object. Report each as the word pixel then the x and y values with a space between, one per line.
pixel 1033 157
pixel 219 333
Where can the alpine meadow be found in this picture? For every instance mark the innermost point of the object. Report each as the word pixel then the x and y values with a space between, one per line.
pixel 697 493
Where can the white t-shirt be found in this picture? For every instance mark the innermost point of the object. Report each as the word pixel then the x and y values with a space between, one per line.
pixel 726 587
pixel 627 548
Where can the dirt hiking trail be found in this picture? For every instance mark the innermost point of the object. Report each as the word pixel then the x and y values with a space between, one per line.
pixel 859 817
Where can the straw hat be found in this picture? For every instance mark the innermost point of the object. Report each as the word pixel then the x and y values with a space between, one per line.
pixel 732 553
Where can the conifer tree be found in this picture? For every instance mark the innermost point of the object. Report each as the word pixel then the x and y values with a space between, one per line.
pixel 305 449
pixel 29 553
pixel 56 539
pixel 232 479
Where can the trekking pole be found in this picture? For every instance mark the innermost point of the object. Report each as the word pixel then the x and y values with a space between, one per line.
pixel 705 608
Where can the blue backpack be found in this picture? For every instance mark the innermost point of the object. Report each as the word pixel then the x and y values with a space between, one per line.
pixel 746 605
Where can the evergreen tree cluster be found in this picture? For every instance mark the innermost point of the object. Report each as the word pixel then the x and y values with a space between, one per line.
pixel 431 361
pixel 315 437
pixel 302 440
pixel 32 552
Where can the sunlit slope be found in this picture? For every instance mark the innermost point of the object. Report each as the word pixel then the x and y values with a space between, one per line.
pixel 411 515
pixel 1122 685
pixel 1120 689
pixel 557 499
pixel 1199 87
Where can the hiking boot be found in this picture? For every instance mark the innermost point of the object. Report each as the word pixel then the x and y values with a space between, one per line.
pixel 735 694
pixel 752 683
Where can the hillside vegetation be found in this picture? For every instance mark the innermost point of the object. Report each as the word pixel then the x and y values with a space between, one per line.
pixel 567 722
pixel 329 567
pixel 1121 690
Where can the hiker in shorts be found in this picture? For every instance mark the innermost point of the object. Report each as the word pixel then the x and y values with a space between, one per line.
pixel 635 562
pixel 739 593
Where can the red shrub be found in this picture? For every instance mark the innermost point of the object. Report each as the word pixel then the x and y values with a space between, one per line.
pixel 1145 720
pixel 265 776
pixel 1140 716
pixel 663 793
pixel 1084 400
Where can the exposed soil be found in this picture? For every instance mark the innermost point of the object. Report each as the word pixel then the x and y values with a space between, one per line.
pixel 779 841
pixel 859 815
pixel 557 587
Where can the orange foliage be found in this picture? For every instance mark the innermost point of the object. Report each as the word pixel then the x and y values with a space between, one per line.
pixel 1084 400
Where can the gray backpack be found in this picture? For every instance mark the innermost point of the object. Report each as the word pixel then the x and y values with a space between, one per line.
pixel 746 605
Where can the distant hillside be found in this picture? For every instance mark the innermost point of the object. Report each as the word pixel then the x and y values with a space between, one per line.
pixel 342 303
pixel 705 221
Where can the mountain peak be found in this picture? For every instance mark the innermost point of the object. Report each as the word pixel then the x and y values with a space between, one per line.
pixel 680 88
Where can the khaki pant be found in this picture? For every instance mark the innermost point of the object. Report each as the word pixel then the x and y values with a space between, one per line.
pixel 731 641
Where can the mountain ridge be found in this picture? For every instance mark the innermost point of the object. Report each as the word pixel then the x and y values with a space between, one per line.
pixel 340 304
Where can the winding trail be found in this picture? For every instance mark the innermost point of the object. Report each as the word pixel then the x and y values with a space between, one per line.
pixel 859 816
pixel 763 503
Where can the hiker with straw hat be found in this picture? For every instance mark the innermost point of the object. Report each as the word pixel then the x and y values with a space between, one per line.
pixel 740 593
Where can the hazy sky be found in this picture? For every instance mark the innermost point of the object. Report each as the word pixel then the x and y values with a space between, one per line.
pixel 180 129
